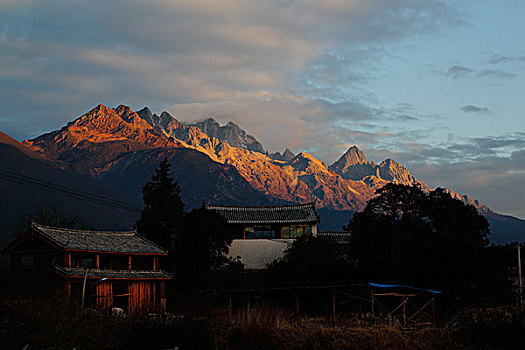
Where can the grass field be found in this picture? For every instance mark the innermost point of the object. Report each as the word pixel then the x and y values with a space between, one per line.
pixel 53 324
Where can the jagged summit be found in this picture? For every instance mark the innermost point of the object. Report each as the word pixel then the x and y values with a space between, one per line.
pixel 101 125
pixel 306 162
pixel 146 114
pixel 354 165
pixel 393 171
pixel 286 156
pixel 352 157
pixel 230 133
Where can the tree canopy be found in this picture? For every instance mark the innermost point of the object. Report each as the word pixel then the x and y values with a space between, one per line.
pixel 203 243
pixel 406 235
pixel 313 261
pixel 163 208
pixel 48 215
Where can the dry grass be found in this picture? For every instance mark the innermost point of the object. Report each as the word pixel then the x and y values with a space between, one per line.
pixel 266 327
pixel 52 324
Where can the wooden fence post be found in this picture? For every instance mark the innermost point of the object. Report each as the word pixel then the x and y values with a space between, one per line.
pixel 334 307
pixel 296 307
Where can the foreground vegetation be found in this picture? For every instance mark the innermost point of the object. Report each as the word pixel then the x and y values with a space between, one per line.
pixel 404 236
pixel 52 324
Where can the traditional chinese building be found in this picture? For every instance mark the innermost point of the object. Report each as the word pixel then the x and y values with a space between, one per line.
pixel 99 269
pixel 264 232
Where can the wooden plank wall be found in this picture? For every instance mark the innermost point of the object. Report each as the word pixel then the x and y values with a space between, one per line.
pixel 104 295
pixel 142 298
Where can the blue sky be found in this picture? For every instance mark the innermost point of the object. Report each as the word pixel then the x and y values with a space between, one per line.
pixel 435 85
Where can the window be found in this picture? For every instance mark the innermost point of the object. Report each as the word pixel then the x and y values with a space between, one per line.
pixel 86 263
pixel 294 231
pixel 27 263
pixel 286 232
pixel 119 263
pixel 249 233
pixel 299 232
pixel 307 230
pixel 261 232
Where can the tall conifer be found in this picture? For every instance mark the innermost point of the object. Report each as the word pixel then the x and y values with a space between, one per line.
pixel 163 208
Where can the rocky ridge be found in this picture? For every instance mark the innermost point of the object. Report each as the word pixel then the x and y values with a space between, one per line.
pixel 346 185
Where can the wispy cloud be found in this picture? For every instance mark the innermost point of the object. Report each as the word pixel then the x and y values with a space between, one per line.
pixel 456 72
pixel 259 63
pixel 475 109
pixel 496 59
pixel 496 73
pixel 491 169
pixel 292 73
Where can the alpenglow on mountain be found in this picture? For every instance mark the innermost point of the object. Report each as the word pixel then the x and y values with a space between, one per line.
pixel 98 143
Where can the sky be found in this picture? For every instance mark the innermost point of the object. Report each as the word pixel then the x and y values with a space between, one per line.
pixel 435 85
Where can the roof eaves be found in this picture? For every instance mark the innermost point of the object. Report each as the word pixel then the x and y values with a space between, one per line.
pixel 163 250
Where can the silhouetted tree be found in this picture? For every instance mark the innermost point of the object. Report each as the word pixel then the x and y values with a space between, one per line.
pixel 163 208
pixel 405 235
pixel 203 243
pixel 313 261
pixel 48 215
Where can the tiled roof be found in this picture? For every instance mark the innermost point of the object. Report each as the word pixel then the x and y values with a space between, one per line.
pixel 335 236
pixel 99 241
pixel 286 214
pixel 113 274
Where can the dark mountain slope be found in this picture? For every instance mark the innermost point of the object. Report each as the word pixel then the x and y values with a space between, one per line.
pixel 198 176
pixel 17 199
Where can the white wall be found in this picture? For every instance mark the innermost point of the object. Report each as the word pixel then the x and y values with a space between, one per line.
pixel 257 253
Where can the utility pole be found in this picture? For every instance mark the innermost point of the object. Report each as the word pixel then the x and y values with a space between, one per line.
pixel 84 286
pixel 520 280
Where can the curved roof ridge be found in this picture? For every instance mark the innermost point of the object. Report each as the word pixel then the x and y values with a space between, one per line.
pixel 283 214
pixel 40 226
pixel 103 241
pixel 262 206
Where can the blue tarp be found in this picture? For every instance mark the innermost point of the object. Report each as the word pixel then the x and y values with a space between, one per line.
pixel 400 286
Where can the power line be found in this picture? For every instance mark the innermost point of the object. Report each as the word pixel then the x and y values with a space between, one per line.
pixel 48 186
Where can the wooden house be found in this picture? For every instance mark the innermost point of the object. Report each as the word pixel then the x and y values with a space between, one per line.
pixel 265 232
pixel 99 269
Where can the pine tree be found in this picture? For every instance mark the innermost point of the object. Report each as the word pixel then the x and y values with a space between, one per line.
pixel 163 208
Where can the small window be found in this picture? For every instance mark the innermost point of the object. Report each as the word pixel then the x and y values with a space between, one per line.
pixel 249 233
pixel 27 263
pixel 119 263
pixel 86 263
pixel 308 230
pixel 286 232
pixel 264 232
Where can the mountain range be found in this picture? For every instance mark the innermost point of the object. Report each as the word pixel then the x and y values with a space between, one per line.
pixel 113 151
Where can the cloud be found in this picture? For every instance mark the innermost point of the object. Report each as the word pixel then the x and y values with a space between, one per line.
pixel 458 72
pixel 488 181
pixel 259 63
pixel 405 117
pixel 294 73
pixel 497 59
pixel 475 109
pixel 490 169
pixel 495 73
